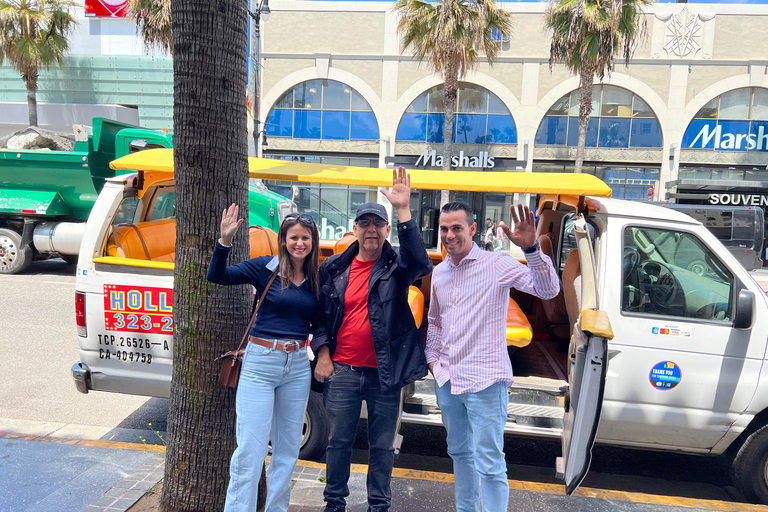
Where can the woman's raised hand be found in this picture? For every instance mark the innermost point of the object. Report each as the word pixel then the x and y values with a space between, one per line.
pixel 230 224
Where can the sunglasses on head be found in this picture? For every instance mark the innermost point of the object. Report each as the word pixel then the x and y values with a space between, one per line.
pixel 364 223
pixel 303 217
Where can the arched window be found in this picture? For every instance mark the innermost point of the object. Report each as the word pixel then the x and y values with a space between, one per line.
pixel 480 118
pixel 620 119
pixel 734 121
pixel 322 109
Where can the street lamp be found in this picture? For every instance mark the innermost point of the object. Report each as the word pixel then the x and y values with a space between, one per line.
pixel 262 12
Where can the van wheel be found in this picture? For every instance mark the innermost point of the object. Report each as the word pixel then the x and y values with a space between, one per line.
pixel 314 438
pixel 13 260
pixel 750 467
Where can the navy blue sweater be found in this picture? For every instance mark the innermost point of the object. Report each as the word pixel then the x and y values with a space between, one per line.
pixel 285 314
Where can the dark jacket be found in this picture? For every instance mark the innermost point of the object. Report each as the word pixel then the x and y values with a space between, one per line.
pixel 396 341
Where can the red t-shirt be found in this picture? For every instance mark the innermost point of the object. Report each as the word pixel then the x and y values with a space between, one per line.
pixel 354 342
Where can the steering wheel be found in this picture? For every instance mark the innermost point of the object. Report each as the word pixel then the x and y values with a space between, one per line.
pixel 665 292
pixel 629 262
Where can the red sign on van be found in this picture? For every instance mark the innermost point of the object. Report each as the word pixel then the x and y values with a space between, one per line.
pixel 138 309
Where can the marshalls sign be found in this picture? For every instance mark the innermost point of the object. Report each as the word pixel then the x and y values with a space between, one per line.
pixel 432 159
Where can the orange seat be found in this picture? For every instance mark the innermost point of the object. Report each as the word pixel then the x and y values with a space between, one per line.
pixel 344 243
pixel 263 241
pixel 519 331
pixel 416 302
pixel 153 240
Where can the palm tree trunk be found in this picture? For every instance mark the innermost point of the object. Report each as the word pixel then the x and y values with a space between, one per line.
pixel 210 158
pixel 30 80
pixel 585 110
pixel 450 93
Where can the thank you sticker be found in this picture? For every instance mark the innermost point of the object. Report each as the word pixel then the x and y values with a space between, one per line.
pixel 665 375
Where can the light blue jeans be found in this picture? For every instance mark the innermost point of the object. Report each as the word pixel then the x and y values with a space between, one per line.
pixel 272 394
pixel 475 426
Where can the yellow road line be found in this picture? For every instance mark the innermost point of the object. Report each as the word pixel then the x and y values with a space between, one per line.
pixel 140 447
pixel 433 476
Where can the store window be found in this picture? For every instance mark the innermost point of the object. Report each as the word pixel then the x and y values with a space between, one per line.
pixel 633 183
pixel 480 118
pixel 322 109
pixel 619 119
pixel 734 121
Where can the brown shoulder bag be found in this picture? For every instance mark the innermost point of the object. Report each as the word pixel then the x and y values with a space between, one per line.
pixel 233 360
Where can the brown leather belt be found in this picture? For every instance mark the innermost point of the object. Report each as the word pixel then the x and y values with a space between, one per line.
pixel 286 345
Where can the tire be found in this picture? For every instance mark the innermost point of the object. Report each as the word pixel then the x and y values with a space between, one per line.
pixel 314 439
pixel 13 260
pixel 750 467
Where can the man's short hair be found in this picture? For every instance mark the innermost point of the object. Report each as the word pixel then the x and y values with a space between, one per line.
pixel 459 206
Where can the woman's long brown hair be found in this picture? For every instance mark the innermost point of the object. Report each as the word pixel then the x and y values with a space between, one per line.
pixel 311 262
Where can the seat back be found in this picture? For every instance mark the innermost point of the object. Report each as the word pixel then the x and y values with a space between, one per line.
pixel 555 309
pixel 344 243
pixel 572 286
pixel 153 240
pixel 263 241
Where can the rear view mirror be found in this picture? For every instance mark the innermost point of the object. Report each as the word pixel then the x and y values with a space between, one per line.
pixel 745 310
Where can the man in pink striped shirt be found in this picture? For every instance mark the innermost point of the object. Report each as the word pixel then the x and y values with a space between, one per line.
pixel 467 351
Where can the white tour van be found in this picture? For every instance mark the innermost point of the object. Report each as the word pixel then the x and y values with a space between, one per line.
pixel 637 350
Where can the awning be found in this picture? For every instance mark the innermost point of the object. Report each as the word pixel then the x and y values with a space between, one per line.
pixel 301 172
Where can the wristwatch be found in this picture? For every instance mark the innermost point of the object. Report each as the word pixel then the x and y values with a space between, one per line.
pixel 532 249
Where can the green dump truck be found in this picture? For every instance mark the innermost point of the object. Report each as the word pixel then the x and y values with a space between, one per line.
pixel 46 196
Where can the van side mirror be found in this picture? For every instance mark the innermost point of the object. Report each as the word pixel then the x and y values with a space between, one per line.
pixel 745 310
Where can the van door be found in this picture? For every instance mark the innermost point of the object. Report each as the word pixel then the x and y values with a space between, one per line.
pixel 587 364
pixel 680 373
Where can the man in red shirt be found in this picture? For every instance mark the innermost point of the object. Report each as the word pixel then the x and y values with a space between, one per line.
pixel 373 348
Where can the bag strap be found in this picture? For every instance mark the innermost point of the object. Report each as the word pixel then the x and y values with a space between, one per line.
pixel 256 309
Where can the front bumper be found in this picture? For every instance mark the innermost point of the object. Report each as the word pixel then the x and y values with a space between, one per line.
pixel 82 377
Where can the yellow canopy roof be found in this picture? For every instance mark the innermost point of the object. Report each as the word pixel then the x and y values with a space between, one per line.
pixel 473 181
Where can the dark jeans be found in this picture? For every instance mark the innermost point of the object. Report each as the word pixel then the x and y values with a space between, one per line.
pixel 343 394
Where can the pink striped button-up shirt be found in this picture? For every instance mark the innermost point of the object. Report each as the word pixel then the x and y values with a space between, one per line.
pixel 466 338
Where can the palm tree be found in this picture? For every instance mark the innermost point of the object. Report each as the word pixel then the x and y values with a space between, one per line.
pixel 33 35
pixel 586 35
pixel 451 35
pixel 153 22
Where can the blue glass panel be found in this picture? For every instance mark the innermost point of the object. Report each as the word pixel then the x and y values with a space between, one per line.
pixel 646 133
pixel 700 134
pixel 435 127
pixel 552 131
pixel 306 124
pixel 573 132
pixel 614 133
pixel 280 123
pixel 335 125
pixel 469 128
pixel 760 140
pixel 501 130
pixel 364 126
pixel 413 127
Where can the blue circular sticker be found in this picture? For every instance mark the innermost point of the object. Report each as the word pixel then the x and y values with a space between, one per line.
pixel 665 375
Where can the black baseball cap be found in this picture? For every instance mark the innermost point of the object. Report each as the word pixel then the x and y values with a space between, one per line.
pixel 372 208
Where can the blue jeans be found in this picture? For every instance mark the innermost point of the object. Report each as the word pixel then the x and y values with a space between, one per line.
pixel 271 395
pixel 343 395
pixel 475 426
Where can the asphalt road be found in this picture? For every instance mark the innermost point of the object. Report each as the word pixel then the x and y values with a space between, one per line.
pixel 37 396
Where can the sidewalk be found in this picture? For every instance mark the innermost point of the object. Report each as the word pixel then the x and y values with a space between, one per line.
pixel 49 474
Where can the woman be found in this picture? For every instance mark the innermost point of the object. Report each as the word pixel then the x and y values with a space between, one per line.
pixel 275 377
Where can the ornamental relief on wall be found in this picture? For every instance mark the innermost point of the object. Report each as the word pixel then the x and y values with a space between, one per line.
pixel 684 35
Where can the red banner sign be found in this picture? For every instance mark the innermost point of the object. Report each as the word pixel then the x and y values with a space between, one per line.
pixel 138 309
pixel 113 8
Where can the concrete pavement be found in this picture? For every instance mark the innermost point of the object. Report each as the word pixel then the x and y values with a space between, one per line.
pixel 41 473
